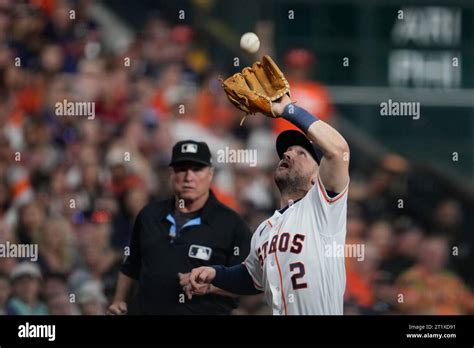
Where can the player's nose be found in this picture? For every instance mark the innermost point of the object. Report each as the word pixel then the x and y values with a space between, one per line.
pixel 286 155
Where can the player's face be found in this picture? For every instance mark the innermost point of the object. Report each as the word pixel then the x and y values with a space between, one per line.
pixel 191 180
pixel 297 169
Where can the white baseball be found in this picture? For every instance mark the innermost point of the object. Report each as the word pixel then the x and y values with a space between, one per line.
pixel 250 42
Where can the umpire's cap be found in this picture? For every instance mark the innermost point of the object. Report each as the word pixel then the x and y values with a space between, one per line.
pixel 293 137
pixel 191 151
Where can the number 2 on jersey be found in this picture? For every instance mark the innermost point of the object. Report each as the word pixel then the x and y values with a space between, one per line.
pixel 300 272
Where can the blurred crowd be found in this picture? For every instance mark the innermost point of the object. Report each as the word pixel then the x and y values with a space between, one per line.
pixel 74 185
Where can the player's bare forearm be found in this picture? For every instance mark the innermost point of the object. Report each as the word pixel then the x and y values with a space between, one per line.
pixel 334 166
pixel 328 139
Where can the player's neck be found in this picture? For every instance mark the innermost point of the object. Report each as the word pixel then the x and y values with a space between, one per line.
pixel 288 198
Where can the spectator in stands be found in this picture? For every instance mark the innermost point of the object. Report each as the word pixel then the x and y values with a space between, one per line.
pixel 60 304
pixel 91 299
pixel 56 246
pixel 59 300
pixel 122 176
pixel 26 282
pixel 447 219
pixel 90 187
pixel 428 288
pixel 100 261
pixel 380 235
pixel 312 96
pixel 135 200
pixel 5 290
pixel 54 284
pixel 404 255
pixel 7 264
pixel 380 195
pixel 361 273
pixel 31 219
pixel 4 198
pixel 356 223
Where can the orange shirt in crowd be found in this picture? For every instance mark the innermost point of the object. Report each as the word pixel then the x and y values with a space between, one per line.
pixel 358 285
pixel 29 100
pixel 212 113
pixel 159 104
pixel 226 199
pixel 309 95
pixel 441 293
pixel 359 290
pixel 47 6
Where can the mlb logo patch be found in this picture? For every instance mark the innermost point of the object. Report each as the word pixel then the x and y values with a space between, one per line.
pixel 200 252
pixel 189 148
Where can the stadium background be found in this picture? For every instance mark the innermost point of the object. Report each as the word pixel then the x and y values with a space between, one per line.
pixel 72 192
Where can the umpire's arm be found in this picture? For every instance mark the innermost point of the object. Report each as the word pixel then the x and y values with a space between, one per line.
pixel 129 272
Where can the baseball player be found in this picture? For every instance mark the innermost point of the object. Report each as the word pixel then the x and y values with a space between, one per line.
pixel 288 258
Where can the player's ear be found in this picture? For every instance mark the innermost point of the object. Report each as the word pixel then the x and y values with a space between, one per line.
pixel 314 177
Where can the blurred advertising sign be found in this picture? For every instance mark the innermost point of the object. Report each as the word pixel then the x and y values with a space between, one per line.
pixel 426 48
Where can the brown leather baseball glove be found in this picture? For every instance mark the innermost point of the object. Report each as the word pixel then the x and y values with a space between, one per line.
pixel 254 89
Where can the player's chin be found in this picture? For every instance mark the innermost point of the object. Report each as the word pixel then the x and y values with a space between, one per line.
pixel 282 172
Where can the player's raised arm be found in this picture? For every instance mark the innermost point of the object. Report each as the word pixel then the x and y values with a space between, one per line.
pixel 334 166
pixel 263 88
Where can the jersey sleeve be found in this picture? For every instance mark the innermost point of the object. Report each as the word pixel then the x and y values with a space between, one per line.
pixel 252 263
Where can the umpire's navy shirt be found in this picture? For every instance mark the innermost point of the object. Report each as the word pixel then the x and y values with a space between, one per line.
pixel 158 252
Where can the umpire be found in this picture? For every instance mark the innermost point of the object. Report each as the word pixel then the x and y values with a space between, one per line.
pixel 174 236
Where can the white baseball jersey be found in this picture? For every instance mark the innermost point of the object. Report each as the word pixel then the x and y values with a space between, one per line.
pixel 291 260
